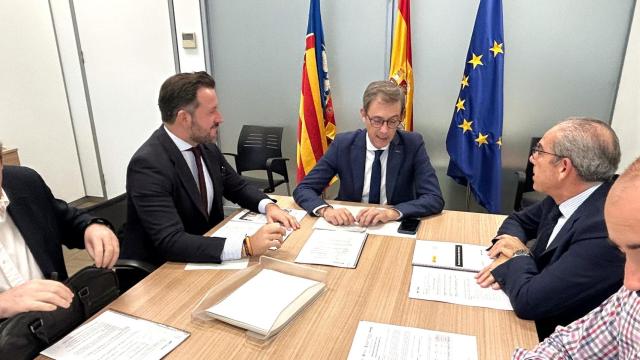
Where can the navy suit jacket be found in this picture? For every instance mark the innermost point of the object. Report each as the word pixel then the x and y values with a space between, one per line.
pixel 44 222
pixel 411 183
pixel 578 271
pixel 164 219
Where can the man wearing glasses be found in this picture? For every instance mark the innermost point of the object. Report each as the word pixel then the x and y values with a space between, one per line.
pixel 572 267
pixel 378 165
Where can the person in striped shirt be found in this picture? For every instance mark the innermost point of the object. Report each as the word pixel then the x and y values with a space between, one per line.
pixel 612 330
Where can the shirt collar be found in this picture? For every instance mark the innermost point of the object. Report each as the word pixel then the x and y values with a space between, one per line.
pixel 569 206
pixel 181 144
pixel 4 203
pixel 370 146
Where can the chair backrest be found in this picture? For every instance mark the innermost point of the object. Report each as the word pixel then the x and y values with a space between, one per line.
pixel 257 144
pixel 528 182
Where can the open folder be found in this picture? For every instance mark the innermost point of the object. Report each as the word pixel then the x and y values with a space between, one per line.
pixel 264 298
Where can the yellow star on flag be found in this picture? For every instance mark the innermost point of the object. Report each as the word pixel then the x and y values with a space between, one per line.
pixel 465 81
pixel 497 48
pixel 465 126
pixel 475 60
pixel 460 105
pixel 482 139
pixel 499 142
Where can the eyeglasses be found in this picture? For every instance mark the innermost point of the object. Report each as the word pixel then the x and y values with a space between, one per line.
pixel 392 122
pixel 536 150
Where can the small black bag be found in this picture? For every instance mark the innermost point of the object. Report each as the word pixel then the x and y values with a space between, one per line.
pixel 25 335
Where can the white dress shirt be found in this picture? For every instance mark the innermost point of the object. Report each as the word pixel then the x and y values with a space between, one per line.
pixel 568 207
pixel 17 264
pixel 232 246
pixel 368 164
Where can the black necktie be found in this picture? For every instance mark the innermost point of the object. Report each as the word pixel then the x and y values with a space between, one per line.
pixel 201 182
pixel 376 179
pixel 546 229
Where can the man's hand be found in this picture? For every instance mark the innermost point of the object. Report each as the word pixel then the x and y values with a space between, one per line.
pixel 373 216
pixel 485 279
pixel 275 214
pixel 267 236
pixel 506 245
pixel 339 216
pixel 34 295
pixel 102 245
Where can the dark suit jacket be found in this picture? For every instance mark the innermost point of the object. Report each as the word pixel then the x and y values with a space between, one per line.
pixel 411 183
pixel 577 272
pixel 164 219
pixel 44 222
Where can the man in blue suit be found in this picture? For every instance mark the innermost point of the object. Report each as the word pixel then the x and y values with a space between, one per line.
pixel 379 165
pixel 572 267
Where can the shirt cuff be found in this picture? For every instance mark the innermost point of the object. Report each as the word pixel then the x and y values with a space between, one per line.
pixel 232 248
pixel 262 205
pixel 316 210
pixel 399 212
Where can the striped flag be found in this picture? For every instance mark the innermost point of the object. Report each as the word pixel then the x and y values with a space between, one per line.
pixel 401 71
pixel 316 123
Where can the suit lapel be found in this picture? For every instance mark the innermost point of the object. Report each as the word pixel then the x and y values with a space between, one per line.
pixel 394 160
pixel 181 168
pixel 358 156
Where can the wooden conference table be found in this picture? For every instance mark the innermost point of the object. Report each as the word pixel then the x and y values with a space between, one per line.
pixel 377 290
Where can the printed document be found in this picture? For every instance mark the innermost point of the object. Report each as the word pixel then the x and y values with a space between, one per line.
pixel 456 287
pixel 376 341
pixel 113 335
pixel 450 255
pixel 257 304
pixel 334 248
pixel 250 216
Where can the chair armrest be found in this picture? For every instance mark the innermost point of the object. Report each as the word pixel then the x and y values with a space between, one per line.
pixel 521 178
pixel 269 166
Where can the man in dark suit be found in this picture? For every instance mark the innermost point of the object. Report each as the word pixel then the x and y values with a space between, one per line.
pixel 33 227
pixel 176 181
pixel 379 165
pixel 572 267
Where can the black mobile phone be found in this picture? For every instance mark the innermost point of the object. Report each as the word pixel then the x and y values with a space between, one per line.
pixel 409 226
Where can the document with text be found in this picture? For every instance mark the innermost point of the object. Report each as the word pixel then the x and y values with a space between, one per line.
pixel 113 335
pixel 456 287
pixel 448 255
pixel 334 248
pixel 376 341
pixel 257 304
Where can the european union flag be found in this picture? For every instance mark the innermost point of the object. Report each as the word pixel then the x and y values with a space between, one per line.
pixel 474 140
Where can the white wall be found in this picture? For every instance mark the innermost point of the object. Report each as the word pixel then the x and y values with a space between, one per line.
pixel 626 116
pixel 128 54
pixel 34 114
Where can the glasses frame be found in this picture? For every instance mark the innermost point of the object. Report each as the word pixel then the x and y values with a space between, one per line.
pixel 536 150
pixel 386 121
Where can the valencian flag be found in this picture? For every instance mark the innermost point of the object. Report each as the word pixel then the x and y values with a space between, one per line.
pixel 474 140
pixel 401 71
pixel 316 123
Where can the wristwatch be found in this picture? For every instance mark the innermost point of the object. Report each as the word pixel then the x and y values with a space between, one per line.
pixel 521 252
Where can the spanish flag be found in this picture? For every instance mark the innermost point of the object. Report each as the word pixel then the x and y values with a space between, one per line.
pixel 401 71
pixel 316 123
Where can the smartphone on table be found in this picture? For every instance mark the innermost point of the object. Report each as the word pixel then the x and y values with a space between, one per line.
pixel 409 226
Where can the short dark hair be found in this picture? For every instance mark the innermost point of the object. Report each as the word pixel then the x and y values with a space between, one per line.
pixel 180 91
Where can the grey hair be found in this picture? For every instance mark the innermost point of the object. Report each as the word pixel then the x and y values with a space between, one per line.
pixel 387 91
pixel 591 145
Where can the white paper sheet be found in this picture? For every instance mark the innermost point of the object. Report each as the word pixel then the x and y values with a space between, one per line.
pixel 260 300
pixel 448 255
pixel 334 248
pixel 113 335
pixel 250 216
pixel 376 341
pixel 226 265
pixel 456 287
pixel 388 229
pixel 236 230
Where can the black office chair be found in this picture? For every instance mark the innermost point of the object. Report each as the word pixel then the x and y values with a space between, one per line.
pixel 260 148
pixel 525 194
pixel 129 272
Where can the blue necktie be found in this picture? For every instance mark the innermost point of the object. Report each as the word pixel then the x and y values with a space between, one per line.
pixel 376 179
